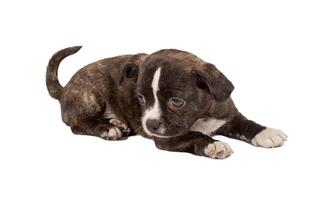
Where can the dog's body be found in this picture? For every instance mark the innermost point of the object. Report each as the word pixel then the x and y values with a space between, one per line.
pixel 94 95
pixel 178 99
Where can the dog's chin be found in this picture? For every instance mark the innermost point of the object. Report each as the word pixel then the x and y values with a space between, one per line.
pixel 174 132
pixel 167 133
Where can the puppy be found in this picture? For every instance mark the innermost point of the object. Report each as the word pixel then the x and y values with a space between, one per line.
pixel 178 91
pixel 178 99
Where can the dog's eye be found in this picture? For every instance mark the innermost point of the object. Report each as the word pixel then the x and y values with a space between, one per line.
pixel 141 99
pixel 176 103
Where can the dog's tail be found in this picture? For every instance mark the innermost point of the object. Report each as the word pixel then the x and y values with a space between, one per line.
pixel 53 84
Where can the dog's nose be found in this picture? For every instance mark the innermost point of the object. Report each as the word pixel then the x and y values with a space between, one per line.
pixel 153 125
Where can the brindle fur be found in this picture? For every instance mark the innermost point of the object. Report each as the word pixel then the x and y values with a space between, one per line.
pixel 207 92
pixel 107 89
pixel 94 94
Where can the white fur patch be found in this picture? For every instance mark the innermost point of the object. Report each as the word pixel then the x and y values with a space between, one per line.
pixel 120 125
pixel 218 150
pixel 154 112
pixel 207 125
pixel 269 138
pixel 159 136
pixel 112 134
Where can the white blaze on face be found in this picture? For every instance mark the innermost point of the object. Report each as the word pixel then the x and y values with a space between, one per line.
pixel 153 112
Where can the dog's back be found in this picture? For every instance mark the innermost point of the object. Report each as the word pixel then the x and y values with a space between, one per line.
pixel 94 93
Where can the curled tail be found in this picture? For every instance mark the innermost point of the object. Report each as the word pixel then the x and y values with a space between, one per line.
pixel 53 84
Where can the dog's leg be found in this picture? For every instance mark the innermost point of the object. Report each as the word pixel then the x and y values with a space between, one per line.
pixel 195 143
pixel 107 129
pixel 249 131
pixel 88 114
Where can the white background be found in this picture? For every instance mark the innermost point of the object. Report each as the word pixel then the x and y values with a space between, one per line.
pixel 268 49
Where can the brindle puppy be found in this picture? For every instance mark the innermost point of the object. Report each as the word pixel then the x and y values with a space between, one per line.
pixel 180 100
pixel 178 91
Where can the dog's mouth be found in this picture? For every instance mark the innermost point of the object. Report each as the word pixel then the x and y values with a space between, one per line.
pixel 160 133
pixel 155 135
pixel 165 136
pixel 164 130
pixel 168 133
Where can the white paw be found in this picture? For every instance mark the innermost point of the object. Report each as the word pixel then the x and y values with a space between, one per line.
pixel 117 123
pixel 112 134
pixel 269 138
pixel 218 150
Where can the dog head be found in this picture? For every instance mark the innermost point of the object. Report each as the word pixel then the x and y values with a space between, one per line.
pixel 175 88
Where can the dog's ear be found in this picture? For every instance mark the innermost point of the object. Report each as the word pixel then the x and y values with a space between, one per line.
pixel 129 72
pixel 210 78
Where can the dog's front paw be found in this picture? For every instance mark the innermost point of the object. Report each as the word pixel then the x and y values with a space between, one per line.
pixel 269 138
pixel 218 150
pixel 120 125
pixel 112 134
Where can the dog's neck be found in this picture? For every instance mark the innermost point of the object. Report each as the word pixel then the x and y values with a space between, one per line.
pixel 223 110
